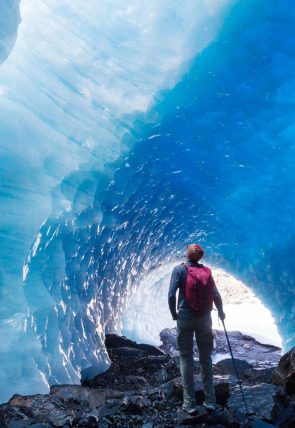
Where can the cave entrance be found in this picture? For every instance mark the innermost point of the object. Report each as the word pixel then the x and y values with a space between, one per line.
pixel 147 313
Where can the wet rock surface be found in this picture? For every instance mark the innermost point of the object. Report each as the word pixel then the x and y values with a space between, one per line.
pixel 143 388
pixel 244 347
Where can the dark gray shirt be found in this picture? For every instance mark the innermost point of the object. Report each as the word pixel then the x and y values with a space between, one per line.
pixel 178 281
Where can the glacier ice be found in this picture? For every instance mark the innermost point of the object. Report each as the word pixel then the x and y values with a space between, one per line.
pixel 9 22
pixel 70 93
pixel 127 131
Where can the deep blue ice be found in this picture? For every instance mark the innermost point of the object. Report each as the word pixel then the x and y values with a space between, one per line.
pixel 126 139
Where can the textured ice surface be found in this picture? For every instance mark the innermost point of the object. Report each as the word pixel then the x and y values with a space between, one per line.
pixel 9 21
pixel 70 93
pixel 123 167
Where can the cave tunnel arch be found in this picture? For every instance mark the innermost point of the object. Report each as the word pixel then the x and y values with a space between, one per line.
pixel 212 165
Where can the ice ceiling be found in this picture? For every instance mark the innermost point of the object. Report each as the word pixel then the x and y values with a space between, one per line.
pixel 129 129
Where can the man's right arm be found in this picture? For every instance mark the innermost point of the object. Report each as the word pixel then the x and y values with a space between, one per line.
pixel 174 285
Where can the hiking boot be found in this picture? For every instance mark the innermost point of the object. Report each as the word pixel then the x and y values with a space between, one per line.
pixel 209 406
pixel 190 410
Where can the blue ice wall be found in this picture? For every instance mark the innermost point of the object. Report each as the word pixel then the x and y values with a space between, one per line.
pixel 210 161
pixel 9 22
pixel 70 92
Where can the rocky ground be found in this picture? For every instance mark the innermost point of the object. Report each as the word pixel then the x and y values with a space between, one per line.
pixel 143 388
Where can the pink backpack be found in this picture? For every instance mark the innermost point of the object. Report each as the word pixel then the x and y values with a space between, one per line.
pixel 199 289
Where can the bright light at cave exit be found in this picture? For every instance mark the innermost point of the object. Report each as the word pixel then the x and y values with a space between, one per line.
pixel 147 313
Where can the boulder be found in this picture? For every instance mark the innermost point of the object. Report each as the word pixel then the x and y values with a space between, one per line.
pixel 151 362
pixel 137 381
pixel 259 399
pixel 3 421
pixel 256 375
pixel 222 386
pixel 226 367
pixel 150 349
pixel 173 388
pixel 21 423
pixel 261 424
pixel 125 352
pixel 231 418
pixel 40 425
pixel 115 341
pixel 226 418
pixel 87 397
pixel 284 374
pixel 160 376
pixel 199 417
pixel 137 405
pixel 87 421
pixel 38 407
pixel 282 413
pixel 63 419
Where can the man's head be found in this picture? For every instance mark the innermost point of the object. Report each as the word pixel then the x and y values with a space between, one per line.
pixel 194 252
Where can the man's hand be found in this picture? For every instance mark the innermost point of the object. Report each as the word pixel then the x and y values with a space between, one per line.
pixel 175 317
pixel 221 315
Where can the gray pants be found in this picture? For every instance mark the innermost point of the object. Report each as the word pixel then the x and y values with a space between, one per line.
pixel 202 328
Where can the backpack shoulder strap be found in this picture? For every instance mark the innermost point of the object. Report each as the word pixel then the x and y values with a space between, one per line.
pixel 182 264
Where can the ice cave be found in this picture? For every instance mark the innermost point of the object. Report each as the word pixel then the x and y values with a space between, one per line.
pixel 128 130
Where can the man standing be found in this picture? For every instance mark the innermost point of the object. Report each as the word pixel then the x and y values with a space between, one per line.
pixel 197 292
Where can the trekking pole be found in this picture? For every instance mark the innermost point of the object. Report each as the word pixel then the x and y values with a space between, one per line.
pixel 235 367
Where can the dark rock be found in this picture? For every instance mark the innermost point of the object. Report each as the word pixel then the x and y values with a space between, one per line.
pixel 160 376
pixel 62 419
pixel 244 347
pixel 126 352
pixel 173 388
pixel 23 423
pixel 231 418
pixel 135 380
pixel 88 421
pixel 87 397
pixel 259 399
pixel 115 341
pixel 261 424
pixel 3 422
pixel 37 407
pixel 152 361
pixel 176 359
pixel 40 426
pixel 150 349
pixel 282 413
pixel 259 375
pixel 228 418
pixel 143 389
pixel 199 417
pixel 137 405
pixel 226 367
pixel 222 385
pixel 148 425
pixel 284 374
pixel 109 410
pixel 167 337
